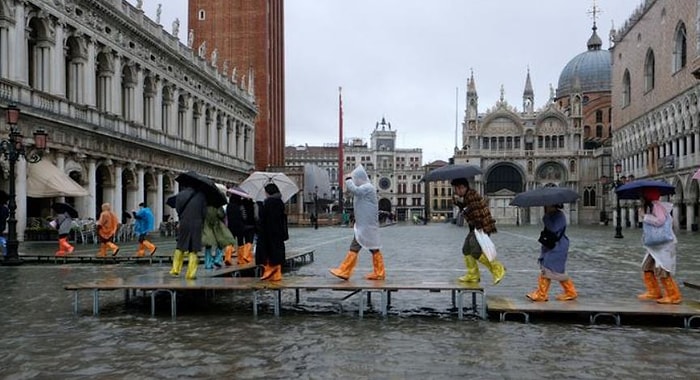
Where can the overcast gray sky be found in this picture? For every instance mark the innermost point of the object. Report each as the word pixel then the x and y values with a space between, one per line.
pixel 409 60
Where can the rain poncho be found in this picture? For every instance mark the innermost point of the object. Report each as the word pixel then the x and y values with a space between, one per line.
pixel 144 221
pixel 553 261
pixel 663 254
pixel 366 209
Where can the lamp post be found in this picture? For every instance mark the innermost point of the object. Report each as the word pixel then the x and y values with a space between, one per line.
pixel 13 148
pixel 618 219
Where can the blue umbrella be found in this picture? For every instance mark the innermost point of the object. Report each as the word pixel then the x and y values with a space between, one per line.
pixel 634 189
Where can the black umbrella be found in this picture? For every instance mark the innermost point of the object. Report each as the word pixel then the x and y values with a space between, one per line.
pixel 634 189
pixel 453 171
pixel 204 184
pixel 61 207
pixel 545 196
pixel 171 201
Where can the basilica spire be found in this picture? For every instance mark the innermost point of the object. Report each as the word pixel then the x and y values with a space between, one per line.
pixel 528 94
pixel 472 98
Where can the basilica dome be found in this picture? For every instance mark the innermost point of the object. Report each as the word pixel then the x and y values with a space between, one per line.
pixel 592 69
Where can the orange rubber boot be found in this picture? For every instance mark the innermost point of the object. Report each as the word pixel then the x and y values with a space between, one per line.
pixel 653 290
pixel 540 295
pixel 344 271
pixel 673 294
pixel 569 291
pixel 378 272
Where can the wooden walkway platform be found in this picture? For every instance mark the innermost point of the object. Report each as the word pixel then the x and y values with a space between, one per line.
pixel 154 284
pixel 595 309
pixel 294 259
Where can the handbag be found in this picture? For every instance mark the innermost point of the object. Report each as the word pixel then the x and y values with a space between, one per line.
pixel 549 239
pixel 654 235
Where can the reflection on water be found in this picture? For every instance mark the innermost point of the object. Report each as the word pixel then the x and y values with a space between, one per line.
pixel 219 337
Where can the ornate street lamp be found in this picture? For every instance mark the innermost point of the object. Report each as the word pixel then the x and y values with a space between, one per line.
pixel 13 148
pixel 618 219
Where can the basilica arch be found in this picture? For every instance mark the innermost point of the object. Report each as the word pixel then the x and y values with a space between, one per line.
pixel 504 175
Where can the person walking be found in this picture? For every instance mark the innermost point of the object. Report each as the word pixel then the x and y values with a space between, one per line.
pixel 4 215
pixel 240 219
pixel 107 226
pixel 366 227
pixel 216 235
pixel 143 226
pixel 659 261
pixel 270 249
pixel 191 207
pixel 553 256
pixel 477 215
pixel 63 223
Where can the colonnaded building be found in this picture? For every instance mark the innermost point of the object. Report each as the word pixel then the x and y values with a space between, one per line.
pixel 656 66
pixel 565 142
pixel 126 105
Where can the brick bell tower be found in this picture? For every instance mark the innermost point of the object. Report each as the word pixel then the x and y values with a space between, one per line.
pixel 249 34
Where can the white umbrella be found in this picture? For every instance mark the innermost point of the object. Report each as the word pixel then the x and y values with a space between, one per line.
pixel 256 182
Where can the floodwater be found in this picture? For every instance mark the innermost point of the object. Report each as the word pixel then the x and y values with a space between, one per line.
pixel 422 337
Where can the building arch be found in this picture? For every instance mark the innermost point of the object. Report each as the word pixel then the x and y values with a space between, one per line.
pixel 504 175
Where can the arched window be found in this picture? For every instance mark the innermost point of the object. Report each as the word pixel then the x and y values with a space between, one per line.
pixel 680 49
pixel 589 197
pixel 128 92
pixel 649 71
pixel 75 59
pixel 626 89
pixel 201 15
pixel 181 116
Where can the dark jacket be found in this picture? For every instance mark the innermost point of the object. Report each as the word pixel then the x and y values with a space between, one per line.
pixel 272 233
pixel 191 209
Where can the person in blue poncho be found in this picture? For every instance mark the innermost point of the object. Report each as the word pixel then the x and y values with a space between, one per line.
pixel 142 227
pixel 553 255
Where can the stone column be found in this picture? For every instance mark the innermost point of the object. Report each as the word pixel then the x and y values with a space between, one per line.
pixel 157 207
pixel 92 189
pixel 116 201
pixel 690 215
pixel 20 197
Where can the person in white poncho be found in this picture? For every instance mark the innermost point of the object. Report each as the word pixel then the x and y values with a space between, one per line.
pixel 366 227
pixel 659 261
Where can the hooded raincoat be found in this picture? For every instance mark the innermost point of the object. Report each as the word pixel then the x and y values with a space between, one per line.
pixel 366 209
pixel 553 261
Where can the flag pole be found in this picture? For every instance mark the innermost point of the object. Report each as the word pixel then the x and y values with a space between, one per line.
pixel 341 178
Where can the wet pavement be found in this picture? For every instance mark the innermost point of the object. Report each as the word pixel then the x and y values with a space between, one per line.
pixel 421 337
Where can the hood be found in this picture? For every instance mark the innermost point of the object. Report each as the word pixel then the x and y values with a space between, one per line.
pixel 359 176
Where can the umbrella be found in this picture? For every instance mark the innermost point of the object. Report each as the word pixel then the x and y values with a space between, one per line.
pixel 633 190
pixel 201 183
pixel 238 191
pixel 255 185
pixel 697 175
pixel 453 171
pixel 61 207
pixel 545 196
pixel 171 201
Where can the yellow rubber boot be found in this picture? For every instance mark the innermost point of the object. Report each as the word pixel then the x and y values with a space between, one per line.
pixel 344 271
pixel 540 295
pixel 378 272
pixel 569 291
pixel 498 271
pixel 178 258
pixel 472 270
pixel 192 263
pixel 653 290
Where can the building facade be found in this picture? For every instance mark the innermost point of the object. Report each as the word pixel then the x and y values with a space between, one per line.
pixel 563 143
pixel 247 39
pixel 395 172
pixel 439 196
pixel 127 106
pixel 656 117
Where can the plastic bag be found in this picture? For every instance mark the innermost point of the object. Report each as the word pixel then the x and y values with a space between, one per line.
pixel 487 246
